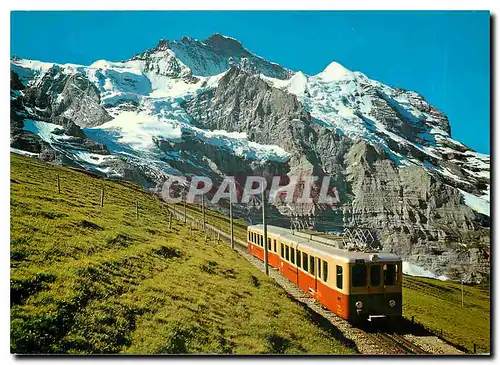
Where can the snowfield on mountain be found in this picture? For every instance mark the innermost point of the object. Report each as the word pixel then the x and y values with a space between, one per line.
pixel 214 108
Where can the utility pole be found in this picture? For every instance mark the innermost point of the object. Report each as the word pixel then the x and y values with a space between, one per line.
pixel 231 220
pixel 203 209
pixel 462 282
pixel 264 224
pixel 185 215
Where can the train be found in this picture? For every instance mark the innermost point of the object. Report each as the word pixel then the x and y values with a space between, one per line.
pixel 358 286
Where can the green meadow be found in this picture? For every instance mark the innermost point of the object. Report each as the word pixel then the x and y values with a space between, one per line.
pixel 92 280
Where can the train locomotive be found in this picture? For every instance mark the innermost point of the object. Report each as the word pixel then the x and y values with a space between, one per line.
pixel 356 285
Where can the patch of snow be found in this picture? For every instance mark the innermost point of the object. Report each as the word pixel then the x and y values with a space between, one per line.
pixel 415 270
pixel 91 158
pixel 42 129
pixel 486 195
pixel 479 204
pixel 242 147
pixel 136 130
pixel 24 153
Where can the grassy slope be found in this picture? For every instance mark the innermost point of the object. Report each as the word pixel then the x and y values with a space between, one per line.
pixel 435 304
pixel 438 305
pixel 86 279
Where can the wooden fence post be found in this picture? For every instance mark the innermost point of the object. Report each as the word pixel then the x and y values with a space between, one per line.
pixel 58 185
pixel 102 196
pixel 185 210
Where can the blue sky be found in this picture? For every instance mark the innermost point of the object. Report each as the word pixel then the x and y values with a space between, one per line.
pixel 445 56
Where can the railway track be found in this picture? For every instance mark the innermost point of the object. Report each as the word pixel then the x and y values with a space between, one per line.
pixel 378 342
pixel 399 344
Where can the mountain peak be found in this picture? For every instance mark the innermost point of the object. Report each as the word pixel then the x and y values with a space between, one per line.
pixel 222 42
pixel 163 44
pixel 335 71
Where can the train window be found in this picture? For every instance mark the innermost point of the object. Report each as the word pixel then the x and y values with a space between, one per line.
pixel 292 255
pixel 311 264
pixel 275 250
pixel 325 271
pixel 305 266
pixel 389 274
pixel 287 253
pixel 340 270
pixel 260 241
pixel 299 258
pixel 359 275
pixel 375 275
pixel 282 250
pixel 269 244
pixel 319 267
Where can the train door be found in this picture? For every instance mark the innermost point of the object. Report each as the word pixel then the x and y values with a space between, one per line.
pixel 293 260
pixel 282 256
pixel 318 272
pixel 250 237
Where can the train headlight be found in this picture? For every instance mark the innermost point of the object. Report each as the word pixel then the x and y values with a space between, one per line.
pixel 359 304
pixel 392 303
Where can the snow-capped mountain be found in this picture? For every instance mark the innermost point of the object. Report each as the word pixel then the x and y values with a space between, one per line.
pixel 212 107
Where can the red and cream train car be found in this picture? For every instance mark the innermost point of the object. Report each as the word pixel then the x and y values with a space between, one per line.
pixel 355 285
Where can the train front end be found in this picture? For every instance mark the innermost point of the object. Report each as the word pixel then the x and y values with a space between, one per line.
pixel 376 289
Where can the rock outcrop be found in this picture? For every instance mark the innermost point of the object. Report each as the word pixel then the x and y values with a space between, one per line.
pixel 71 96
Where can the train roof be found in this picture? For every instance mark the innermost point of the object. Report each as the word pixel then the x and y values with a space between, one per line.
pixel 327 250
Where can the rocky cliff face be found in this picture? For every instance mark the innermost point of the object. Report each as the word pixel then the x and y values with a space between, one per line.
pixel 417 215
pixel 72 96
pixel 213 108
pixel 244 103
